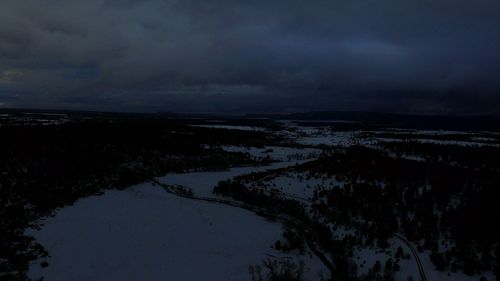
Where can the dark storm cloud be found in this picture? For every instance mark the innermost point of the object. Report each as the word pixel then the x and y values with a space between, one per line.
pixel 422 56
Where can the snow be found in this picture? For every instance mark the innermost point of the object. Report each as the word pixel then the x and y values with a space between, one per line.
pixel 232 127
pixel 442 142
pixel 331 139
pixel 144 233
pixel 434 275
pixel 365 259
pixel 202 183
pixel 296 185
pixel 325 135
pixel 317 135
pixel 473 138
pixel 276 153
pixel 324 121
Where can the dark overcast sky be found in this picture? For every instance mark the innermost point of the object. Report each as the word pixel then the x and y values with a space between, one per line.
pixel 440 56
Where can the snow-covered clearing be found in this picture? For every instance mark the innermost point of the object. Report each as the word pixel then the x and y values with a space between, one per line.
pixel 144 233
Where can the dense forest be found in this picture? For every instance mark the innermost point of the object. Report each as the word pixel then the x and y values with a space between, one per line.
pixel 446 203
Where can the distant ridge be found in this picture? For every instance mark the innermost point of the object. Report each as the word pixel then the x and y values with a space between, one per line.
pixel 488 122
pixel 480 122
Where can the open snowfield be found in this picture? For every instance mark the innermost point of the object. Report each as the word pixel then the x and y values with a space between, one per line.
pixel 144 233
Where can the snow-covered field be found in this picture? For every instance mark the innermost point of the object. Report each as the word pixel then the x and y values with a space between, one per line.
pixel 144 233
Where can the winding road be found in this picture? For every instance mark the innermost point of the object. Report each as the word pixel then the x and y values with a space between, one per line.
pixel 414 252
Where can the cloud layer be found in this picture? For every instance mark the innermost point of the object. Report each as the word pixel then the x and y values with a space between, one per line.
pixel 221 55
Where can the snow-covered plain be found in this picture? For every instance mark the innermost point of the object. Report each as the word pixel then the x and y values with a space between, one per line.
pixel 144 233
